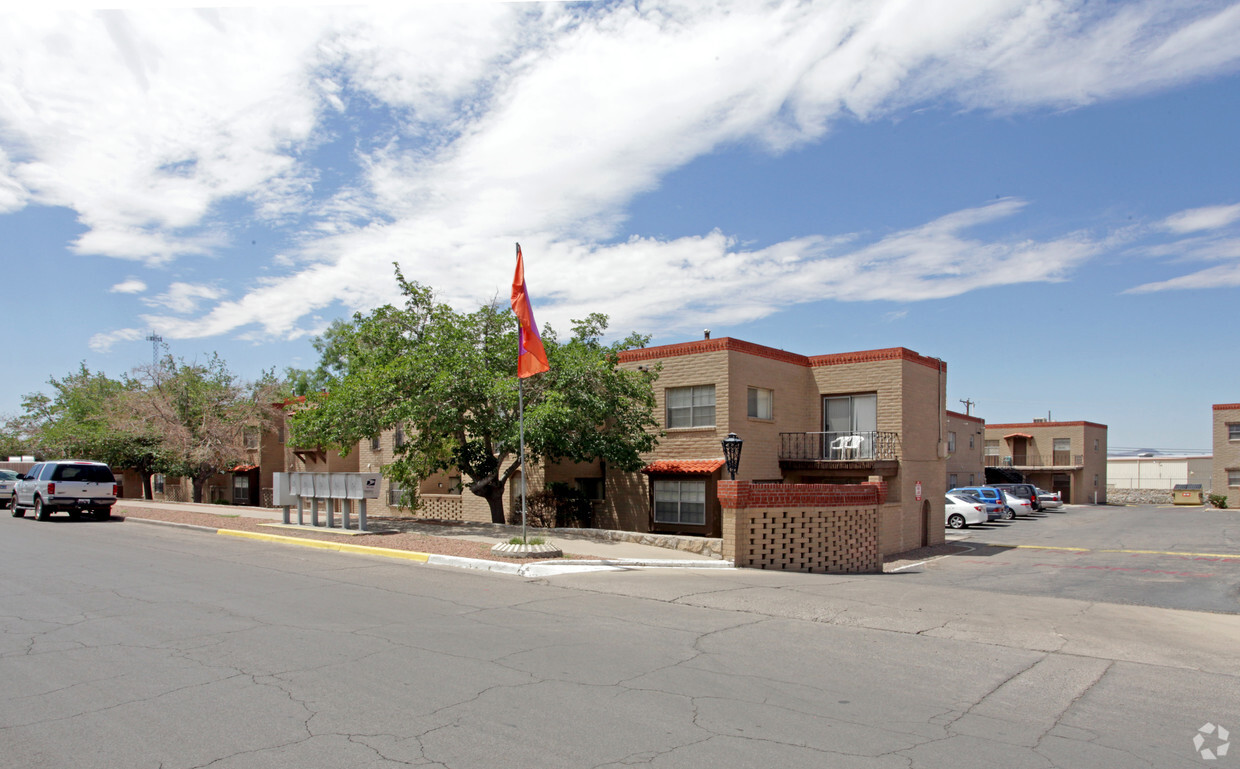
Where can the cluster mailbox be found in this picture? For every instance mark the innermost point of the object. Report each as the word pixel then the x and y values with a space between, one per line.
pixel 289 489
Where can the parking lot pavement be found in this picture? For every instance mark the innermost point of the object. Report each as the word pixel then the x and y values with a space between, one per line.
pixel 1178 558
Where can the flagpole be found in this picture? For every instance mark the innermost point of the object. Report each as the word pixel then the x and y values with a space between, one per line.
pixel 521 420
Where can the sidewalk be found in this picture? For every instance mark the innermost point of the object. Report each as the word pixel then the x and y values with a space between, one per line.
pixel 581 544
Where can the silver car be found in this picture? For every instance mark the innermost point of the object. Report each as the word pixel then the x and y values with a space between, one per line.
pixel 7 479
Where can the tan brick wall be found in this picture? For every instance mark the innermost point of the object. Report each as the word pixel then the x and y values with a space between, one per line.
pixel 799 532
pixel 966 462
pixel 1226 452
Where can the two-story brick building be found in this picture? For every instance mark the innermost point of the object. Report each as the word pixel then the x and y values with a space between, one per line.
pixel 1226 474
pixel 1067 457
pixel 873 416
pixel 966 439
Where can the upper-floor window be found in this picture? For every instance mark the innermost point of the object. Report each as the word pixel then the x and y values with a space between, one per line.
pixel 951 443
pixel 761 403
pixel 850 414
pixel 971 437
pixel 992 447
pixel 400 436
pixel 280 433
pixel 691 406
pixel 374 443
pixel 1061 451
pixel 1233 477
pixel 250 436
pixel 1233 431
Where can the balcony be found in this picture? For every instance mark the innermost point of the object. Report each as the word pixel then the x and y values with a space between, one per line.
pixel 1058 459
pixel 875 451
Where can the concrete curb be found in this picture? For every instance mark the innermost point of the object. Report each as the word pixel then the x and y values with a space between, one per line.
pixel 535 569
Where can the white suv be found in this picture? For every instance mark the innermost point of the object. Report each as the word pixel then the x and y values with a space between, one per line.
pixel 70 485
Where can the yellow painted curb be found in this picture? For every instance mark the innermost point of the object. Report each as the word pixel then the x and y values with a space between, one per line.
pixel 1104 550
pixel 342 547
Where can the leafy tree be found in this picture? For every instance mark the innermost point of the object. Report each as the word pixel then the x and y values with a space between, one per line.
pixel 82 418
pixel 449 378
pixel 202 412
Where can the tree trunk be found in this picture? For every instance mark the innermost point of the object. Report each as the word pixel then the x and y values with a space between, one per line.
pixel 492 490
pixel 198 484
pixel 148 490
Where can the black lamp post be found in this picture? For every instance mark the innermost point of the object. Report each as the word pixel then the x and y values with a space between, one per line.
pixel 732 453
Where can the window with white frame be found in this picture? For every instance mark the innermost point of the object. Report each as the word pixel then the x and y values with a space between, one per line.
pixel 992 448
pixel 1233 477
pixel 1233 431
pixel 680 502
pixel 691 406
pixel 394 494
pixel 761 403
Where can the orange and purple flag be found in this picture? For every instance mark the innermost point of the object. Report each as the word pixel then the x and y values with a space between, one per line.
pixel 531 356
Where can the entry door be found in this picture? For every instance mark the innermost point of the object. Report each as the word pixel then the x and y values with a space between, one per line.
pixel 1062 482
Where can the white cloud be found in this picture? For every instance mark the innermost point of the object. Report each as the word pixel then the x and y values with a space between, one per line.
pixel 184 297
pixel 538 122
pixel 1207 218
pixel 129 286
pixel 103 342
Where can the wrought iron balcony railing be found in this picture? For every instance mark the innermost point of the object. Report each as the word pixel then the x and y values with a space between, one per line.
pixel 1055 459
pixel 867 446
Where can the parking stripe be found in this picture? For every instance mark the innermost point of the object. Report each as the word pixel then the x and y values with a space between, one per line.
pixel 1104 550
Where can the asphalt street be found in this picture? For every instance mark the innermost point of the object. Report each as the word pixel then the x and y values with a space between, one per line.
pixel 1153 555
pixel 127 645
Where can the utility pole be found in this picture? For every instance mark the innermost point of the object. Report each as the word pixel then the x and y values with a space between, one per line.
pixel 968 404
pixel 154 340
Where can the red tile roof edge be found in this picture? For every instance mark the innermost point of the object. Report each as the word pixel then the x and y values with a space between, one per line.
pixel 968 417
pixel 1226 406
pixel 727 343
pixel 684 466
pixel 1010 425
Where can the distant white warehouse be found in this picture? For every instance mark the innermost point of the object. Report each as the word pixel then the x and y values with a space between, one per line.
pixel 1158 471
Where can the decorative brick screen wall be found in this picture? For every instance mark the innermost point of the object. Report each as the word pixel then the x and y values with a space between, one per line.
pixel 440 507
pixel 822 528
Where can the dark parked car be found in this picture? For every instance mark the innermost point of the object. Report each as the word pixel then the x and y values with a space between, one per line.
pixel 1023 490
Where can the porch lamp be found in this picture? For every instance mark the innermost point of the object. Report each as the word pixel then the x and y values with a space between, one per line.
pixel 732 453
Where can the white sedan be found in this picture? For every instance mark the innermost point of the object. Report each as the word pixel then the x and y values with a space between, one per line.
pixel 962 511
pixel 1049 499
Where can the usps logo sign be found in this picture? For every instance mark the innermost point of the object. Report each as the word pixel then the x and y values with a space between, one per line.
pixel 370 485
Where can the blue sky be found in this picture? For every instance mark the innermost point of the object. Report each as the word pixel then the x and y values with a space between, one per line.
pixel 1045 195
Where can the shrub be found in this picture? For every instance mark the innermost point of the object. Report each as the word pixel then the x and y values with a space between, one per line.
pixel 558 505
pixel 1218 500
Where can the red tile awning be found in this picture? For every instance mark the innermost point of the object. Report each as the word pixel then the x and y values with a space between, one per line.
pixel 684 466
pixel 243 468
pixel 1026 436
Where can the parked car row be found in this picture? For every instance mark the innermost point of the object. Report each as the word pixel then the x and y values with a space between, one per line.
pixel 73 486
pixel 967 505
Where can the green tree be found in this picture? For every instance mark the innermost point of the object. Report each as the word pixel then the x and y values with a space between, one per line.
pixel 82 418
pixel 202 412
pixel 449 378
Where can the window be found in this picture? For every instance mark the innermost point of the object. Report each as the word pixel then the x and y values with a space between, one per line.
pixel 241 489
pixel 591 488
pixel 1233 477
pixel 400 436
pixel 394 494
pixel 761 403
pixel 280 433
pixel 1095 444
pixel 951 442
pixel 1095 480
pixel 972 479
pixel 82 473
pixel 374 443
pixel 681 502
pixel 157 483
pixel 691 406
pixel 250 436
pixel 1233 432
pixel 951 481
pixel 992 448
pixel 1062 448
pixel 971 437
